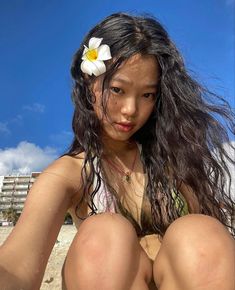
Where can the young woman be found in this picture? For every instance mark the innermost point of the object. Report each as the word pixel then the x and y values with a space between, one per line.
pixel 141 179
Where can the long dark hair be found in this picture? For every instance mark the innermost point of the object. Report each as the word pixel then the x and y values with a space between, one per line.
pixel 182 137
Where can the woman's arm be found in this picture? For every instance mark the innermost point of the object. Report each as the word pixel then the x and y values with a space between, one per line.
pixel 24 255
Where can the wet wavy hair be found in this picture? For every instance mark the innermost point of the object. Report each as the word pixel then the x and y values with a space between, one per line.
pixel 183 133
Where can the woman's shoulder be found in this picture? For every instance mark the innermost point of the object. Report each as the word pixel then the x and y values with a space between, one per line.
pixel 67 162
pixel 67 169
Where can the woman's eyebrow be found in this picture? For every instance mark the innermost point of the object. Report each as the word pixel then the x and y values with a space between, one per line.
pixel 151 85
pixel 118 79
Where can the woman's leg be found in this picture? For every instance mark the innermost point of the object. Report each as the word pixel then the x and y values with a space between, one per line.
pixel 197 253
pixel 105 254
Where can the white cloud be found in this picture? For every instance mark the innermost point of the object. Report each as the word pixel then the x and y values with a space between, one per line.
pixel 4 128
pixel 25 158
pixel 18 119
pixel 35 107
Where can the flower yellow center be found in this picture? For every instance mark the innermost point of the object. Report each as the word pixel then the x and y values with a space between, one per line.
pixel 92 54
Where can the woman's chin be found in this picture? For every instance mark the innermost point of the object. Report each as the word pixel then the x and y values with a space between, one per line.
pixel 117 136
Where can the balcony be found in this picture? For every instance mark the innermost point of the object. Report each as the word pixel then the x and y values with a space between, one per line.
pixel 6 193
pixel 22 180
pixel 10 177
pixel 18 206
pixel 10 181
pixel 5 199
pixel 20 193
pixel 8 187
pixel 5 206
pixel 19 199
pixel 21 186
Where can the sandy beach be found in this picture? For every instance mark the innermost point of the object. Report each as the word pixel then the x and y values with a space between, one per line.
pixel 52 277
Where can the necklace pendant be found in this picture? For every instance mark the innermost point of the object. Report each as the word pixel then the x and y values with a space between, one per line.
pixel 127 177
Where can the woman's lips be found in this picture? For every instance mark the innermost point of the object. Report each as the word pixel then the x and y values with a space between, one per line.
pixel 124 127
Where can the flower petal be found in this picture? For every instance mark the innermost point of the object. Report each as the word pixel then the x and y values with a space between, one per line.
pixel 94 42
pixel 84 53
pixel 87 67
pixel 104 52
pixel 99 67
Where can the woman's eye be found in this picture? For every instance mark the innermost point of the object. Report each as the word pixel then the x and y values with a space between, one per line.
pixel 115 90
pixel 149 95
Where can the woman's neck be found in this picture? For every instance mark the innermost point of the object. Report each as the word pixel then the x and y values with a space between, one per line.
pixel 117 148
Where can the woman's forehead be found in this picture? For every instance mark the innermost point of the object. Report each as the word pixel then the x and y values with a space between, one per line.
pixel 141 67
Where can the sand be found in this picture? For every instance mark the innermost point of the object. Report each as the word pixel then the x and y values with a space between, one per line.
pixel 52 277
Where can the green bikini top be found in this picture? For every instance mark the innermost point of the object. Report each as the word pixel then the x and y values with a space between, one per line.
pixel 145 226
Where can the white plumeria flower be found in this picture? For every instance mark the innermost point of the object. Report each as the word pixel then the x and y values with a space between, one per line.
pixel 93 57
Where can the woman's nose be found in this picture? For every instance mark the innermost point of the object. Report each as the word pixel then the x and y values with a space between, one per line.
pixel 129 107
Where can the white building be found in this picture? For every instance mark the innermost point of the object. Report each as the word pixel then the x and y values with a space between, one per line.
pixel 14 190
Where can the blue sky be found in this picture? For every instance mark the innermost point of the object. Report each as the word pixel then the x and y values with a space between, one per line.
pixel 39 38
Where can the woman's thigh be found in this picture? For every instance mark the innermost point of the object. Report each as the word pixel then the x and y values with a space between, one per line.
pixel 96 239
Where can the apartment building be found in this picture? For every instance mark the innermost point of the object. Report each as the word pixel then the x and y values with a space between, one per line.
pixel 14 190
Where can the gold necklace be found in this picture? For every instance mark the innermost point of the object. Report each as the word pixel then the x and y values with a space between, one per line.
pixel 126 175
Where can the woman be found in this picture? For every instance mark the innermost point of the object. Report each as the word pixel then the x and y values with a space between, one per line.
pixel 142 157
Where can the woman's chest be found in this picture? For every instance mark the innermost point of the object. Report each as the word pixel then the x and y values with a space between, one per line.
pixel 130 195
pixel 129 191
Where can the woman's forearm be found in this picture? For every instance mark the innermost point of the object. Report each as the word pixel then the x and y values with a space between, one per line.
pixel 9 281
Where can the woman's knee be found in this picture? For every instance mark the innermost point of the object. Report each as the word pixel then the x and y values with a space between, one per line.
pixel 198 233
pixel 104 243
pixel 100 236
pixel 113 223
pixel 195 243
pixel 103 230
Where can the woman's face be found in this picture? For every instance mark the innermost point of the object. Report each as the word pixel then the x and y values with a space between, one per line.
pixel 131 96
